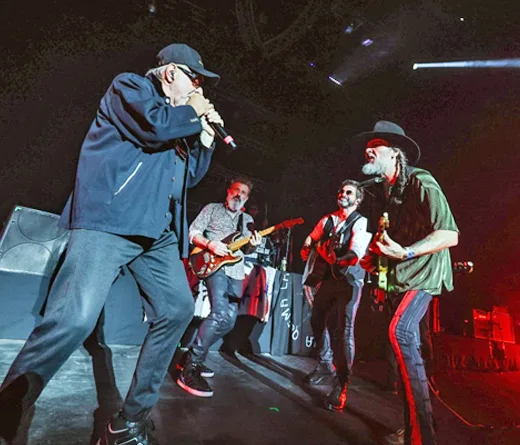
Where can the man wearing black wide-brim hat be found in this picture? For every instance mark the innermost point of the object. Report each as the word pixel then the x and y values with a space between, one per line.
pixel 416 245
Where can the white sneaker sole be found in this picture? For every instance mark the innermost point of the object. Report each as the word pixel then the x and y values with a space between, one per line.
pixel 194 391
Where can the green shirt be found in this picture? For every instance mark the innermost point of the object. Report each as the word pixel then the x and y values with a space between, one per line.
pixel 424 209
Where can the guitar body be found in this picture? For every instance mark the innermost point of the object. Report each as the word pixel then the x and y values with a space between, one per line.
pixel 315 269
pixel 204 263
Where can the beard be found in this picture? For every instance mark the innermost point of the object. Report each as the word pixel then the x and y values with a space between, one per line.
pixel 345 203
pixel 373 168
pixel 235 204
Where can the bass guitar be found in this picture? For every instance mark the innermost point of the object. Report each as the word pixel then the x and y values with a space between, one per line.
pixel 204 263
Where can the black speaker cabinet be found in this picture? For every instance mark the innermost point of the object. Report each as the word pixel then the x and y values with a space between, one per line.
pixel 31 242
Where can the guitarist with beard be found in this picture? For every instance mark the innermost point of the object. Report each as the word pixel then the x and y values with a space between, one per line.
pixel 416 246
pixel 215 222
pixel 338 242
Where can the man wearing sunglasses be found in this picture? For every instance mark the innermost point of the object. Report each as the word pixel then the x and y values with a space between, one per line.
pixel 332 252
pixel 416 245
pixel 150 141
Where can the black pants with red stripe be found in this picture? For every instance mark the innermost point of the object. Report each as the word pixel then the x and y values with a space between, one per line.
pixel 408 310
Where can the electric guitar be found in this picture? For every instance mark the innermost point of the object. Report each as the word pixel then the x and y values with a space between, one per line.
pixel 382 262
pixel 204 263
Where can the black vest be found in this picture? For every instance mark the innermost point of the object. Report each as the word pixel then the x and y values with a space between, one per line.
pixel 351 273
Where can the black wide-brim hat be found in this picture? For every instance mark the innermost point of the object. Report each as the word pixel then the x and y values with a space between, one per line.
pixel 185 55
pixel 392 133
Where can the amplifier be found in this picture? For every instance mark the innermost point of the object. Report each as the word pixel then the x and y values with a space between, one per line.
pixel 32 242
pixel 497 326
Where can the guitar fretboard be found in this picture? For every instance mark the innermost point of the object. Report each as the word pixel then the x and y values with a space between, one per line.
pixel 239 243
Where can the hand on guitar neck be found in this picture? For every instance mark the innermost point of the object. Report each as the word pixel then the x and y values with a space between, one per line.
pixel 375 262
pixel 372 262
pixel 256 239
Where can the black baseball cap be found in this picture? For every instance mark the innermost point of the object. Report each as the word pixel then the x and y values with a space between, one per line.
pixel 185 55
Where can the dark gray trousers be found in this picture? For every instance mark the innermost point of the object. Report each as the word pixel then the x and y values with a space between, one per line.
pixel 77 296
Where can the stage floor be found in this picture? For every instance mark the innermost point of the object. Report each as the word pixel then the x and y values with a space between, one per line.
pixel 259 400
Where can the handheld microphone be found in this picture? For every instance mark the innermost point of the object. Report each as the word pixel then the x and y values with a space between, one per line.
pixel 224 135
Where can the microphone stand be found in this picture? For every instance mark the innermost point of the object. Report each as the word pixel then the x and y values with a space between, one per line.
pixel 285 259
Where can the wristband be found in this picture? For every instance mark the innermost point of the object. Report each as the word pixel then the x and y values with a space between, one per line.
pixel 409 253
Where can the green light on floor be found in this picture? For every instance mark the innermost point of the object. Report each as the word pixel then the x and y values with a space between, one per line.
pixel 274 408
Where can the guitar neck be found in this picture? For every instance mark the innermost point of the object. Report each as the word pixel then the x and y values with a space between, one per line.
pixel 239 243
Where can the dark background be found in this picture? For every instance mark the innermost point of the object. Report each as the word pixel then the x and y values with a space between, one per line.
pixel 292 123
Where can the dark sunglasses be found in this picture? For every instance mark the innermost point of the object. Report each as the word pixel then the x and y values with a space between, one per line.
pixel 373 143
pixel 196 79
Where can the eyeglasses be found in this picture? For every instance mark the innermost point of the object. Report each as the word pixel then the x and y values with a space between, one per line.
pixel 196 79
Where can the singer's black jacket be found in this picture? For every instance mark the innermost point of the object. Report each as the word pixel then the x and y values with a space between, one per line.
pixel 133 170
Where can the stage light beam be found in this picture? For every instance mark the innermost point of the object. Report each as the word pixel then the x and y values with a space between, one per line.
pixel 500 63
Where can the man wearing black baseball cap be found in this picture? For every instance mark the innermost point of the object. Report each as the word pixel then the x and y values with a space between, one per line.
pixel 151 140
pixel 416 245
pixel 180 53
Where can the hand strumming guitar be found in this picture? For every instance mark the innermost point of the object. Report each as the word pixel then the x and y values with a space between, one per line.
pixel 218 248
pixel 326 252
pixel 369 262
pixel 388 248
pixel 350 259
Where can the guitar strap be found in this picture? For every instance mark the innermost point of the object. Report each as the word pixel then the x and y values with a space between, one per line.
pixel 329 226
pixel 240 224
pixel 349 223
pixel 327 230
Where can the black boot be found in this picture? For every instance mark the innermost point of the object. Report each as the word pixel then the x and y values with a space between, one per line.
pixel 337 398
pixel 322 374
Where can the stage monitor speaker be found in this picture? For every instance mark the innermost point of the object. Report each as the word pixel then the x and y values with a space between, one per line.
pixel 31 242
